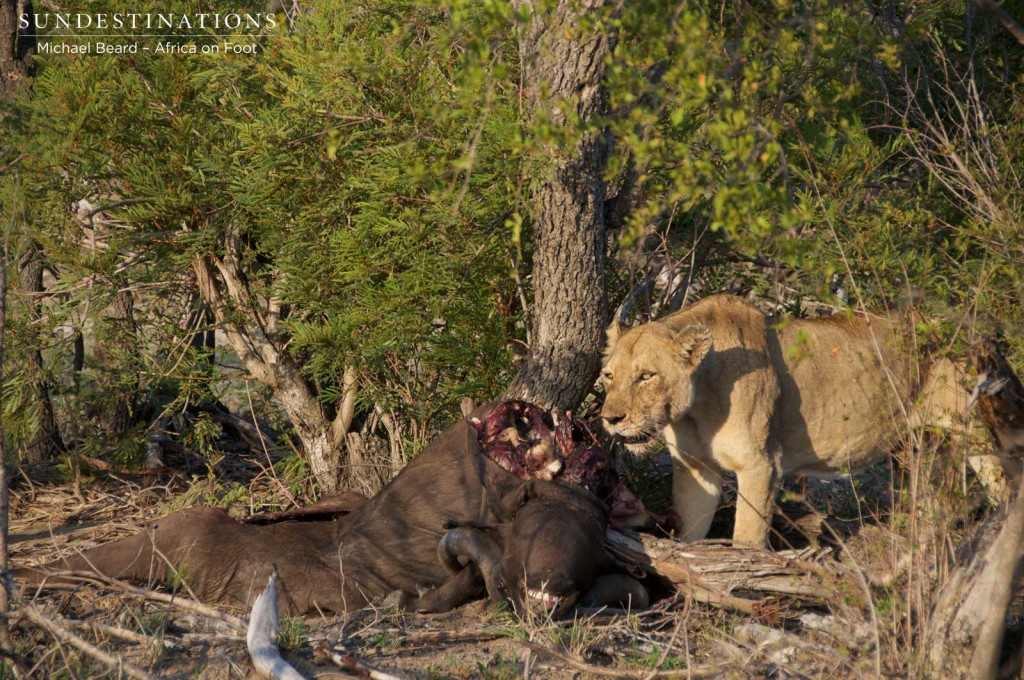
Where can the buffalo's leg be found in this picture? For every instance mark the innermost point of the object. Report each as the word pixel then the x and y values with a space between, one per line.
pixel 159 554
pixel 616 590
pixel 132 557
pixel 458 589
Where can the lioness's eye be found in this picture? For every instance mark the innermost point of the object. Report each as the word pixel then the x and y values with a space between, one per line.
pixel 606 376
pixel 645 376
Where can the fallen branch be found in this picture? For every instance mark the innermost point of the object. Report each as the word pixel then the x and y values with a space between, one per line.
pixel 233 622
pixel 97 627
pixel 261 640
pixel 969 618
pixel 56 628
pixel 718 574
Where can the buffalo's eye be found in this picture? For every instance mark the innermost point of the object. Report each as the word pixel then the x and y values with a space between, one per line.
pixel 644 376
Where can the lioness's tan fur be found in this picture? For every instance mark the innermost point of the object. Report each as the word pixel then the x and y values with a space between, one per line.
pixel 730 389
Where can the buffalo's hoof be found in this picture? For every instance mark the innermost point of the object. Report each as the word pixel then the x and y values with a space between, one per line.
pixel 396 602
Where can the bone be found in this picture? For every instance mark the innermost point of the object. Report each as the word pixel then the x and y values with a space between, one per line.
pixel 262 635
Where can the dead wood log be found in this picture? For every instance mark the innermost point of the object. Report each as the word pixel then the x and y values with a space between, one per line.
pixel 737 578
pixel 969 617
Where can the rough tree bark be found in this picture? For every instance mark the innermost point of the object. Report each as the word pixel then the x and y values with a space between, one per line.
pixel 115 347
pixel 13 72
pixel 251 330
pixel 5 592
pixel 47 441
pixel 968 621
pixel 563 66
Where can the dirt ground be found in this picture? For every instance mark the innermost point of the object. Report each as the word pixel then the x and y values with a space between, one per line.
pixel 677 637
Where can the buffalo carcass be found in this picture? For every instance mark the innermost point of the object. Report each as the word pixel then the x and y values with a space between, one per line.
pixel 450 527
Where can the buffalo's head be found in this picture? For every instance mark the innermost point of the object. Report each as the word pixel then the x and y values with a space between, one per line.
pixel 549 552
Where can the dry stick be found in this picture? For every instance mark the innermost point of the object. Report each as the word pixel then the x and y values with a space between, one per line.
pixel 58 631
pixel 668 648
pixel 233 622
pixel 700 671
pixel 16 663
pixel 114 631
pixel 42 661
pixel 266 452
pixel 433 637
pixel 352 665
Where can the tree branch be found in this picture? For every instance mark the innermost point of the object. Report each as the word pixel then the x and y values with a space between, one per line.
pixel 1005 19
pixel 231 274
pixel 239 339
pixel 346 407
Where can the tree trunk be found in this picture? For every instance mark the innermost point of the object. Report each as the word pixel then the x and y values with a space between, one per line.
pixel 12 70
pixel 47 441
pixel 115 352
pixel 249 330
pixel 969 619
pixel 564 64
pixel 5 587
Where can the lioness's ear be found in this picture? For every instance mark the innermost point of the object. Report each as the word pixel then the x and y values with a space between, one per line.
pixel 694 342
pixel 615 330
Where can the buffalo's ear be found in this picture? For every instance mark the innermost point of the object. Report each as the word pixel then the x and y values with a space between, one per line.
pixel 517 498
pixel 614 331
pixel 495 532
pixel 693 343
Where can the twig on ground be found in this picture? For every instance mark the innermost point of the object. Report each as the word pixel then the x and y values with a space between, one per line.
pixel 58 630
pixel 349 663
pixel 433 637
pixel 233 622
pixel 114 631
pixel 697 672
pixel 16 663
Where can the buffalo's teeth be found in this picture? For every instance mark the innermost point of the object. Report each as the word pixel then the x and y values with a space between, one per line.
pixel 542 597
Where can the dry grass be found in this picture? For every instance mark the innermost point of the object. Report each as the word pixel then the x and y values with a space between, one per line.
pixel 894 531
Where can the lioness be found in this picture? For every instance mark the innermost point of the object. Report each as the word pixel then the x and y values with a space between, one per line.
pixel 733 390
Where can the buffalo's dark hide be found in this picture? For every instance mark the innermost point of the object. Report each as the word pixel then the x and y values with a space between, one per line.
pixel 350 551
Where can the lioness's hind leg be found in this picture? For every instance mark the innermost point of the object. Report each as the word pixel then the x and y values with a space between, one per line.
pixel 696 488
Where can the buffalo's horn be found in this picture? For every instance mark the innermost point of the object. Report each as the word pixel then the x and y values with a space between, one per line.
pixel 616 590
pixel 475 546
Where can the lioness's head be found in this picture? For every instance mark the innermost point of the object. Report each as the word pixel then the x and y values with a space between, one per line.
pixel 648 378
